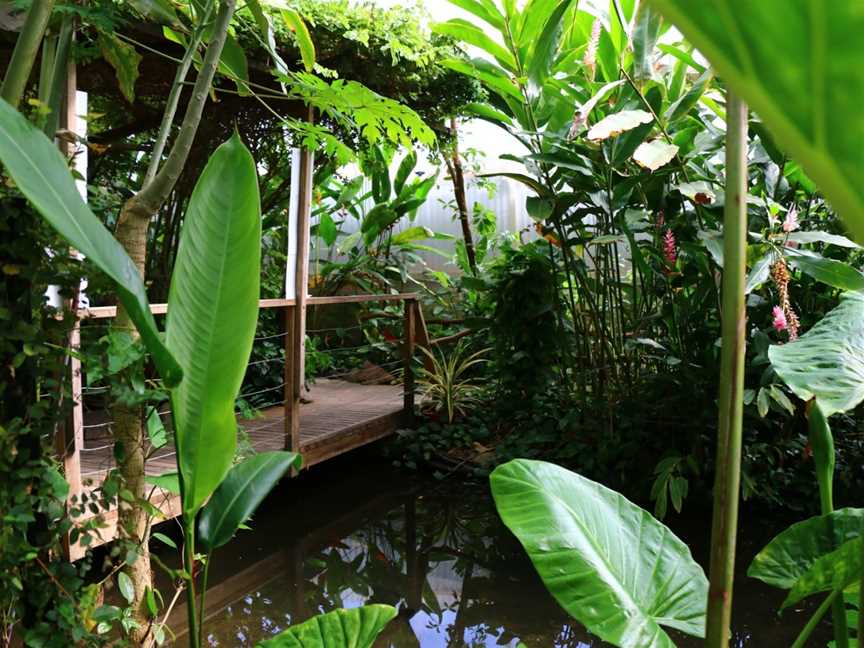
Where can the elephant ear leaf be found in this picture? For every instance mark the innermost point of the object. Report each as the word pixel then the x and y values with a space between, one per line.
pixel 607 562
pixel 819 50
pixel 212 315
pixel 40 172
pixel 794 550
pixel 827 362
pixel 354 628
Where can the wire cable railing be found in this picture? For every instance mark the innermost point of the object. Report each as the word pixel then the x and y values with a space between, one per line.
pixel 345 354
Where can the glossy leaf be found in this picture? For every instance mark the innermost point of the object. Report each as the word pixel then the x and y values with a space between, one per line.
pixel 645 34
pixel 759 273
pixel 837 570
pixel 212 315
pixel 827 362
pixel 609 563
pixel 40 172
pixel 483 9
pixel 233 64
pixel 794 550
pixel 828 271
pixel 819 50
pixel 243 489
pixel 465 31
pixel 342 628
pixel 295 23
pixel 545 48
pixel 821 237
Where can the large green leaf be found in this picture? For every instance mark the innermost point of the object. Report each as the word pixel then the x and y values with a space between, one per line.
pixel 609 563
pixel 294 22
pixel 40 172
pixel 465 31
pixel 794 550
pixel 827 362
pixel 838 570
pixel 243 489
pixel 545 49
pixel 354 628
pixel 829 271
pixel 124 59
pixel 212 314
pixel 798 64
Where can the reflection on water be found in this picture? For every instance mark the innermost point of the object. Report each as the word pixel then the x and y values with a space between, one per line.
pixel 350 534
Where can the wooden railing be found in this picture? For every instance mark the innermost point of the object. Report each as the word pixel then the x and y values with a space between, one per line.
pixel 72 440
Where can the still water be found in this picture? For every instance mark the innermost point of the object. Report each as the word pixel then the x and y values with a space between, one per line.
pixel 357 531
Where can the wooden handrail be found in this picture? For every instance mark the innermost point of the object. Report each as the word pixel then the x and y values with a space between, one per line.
pixel 106 312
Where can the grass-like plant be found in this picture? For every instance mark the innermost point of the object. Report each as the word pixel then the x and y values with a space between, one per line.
pixel 446 384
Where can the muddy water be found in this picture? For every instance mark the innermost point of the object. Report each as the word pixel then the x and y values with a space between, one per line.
pixel 357 531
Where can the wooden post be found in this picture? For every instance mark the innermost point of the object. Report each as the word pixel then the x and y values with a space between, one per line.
pixel 295 339
pixel 288 378
pixel 408 356
pixel 70 438
pixel 421 334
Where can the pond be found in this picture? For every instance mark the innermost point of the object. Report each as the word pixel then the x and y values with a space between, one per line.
pixel 357 530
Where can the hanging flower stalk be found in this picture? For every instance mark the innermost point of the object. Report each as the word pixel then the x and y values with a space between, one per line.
pixel 789 320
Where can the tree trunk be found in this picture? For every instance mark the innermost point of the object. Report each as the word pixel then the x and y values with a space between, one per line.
pixel 131 232
pixel 454 166
pixel 129 436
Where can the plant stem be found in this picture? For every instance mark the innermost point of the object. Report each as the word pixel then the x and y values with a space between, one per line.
pixel 728 467
pixel 814 620
pixel 204 578
pixel 189 566
pixel 24 54
pixel 822 444
pixel 174 99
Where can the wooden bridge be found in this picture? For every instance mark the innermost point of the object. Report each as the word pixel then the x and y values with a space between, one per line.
pixel 333 417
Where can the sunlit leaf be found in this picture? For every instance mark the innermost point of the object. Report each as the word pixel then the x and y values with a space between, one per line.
pixel 655 154
pixel 617 123
pixel 212 315
pixel 609 563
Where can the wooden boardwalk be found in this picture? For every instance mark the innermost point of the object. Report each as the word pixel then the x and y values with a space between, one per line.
pixel 339 417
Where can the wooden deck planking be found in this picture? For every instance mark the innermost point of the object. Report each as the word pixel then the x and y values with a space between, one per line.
pixel 339 417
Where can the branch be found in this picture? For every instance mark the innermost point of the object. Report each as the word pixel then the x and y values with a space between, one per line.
pixel 156 192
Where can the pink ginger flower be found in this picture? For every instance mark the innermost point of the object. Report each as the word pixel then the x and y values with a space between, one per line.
pixel 670 248
pixel 590 58
pixel 780 323
pixel 790 223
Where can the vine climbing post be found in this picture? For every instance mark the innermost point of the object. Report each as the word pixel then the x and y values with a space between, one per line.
pixel 734 325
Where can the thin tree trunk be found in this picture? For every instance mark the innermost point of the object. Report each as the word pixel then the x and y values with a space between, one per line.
pixel 24 54
pixel 734 323
pixel 454 166
pixel 131 232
